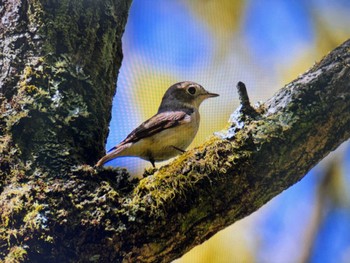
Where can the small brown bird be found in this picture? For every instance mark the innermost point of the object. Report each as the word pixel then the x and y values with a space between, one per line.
pixel 170 131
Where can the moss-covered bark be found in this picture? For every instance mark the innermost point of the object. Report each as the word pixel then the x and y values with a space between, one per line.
pixel 59 64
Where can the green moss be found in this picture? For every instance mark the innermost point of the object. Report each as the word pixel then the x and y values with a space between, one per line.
pixel 54 120
pixel 95 258
pixel 159 190
pixel 194 215
pixel 32 217
pixel 17 254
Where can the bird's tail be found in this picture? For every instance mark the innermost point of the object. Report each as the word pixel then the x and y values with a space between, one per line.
pixel 112 153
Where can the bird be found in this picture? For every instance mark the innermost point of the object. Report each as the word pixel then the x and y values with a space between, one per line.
pixel 170 131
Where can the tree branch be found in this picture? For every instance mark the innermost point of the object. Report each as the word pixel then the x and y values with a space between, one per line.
pixel 55 211
pixel 227 178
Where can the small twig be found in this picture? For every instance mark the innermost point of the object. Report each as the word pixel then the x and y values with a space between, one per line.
pixel 243 95
pixel 246 109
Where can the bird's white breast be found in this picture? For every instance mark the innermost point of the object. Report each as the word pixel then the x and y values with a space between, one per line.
pixel 160 145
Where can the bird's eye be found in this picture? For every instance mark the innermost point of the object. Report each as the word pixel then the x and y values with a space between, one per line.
pixel 191 90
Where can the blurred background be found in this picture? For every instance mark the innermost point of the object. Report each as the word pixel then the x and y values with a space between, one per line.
pixel 265 44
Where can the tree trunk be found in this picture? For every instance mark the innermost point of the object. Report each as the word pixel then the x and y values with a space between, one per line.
pixel 59 64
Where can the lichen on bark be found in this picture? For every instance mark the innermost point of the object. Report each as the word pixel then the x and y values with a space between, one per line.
pixel 64 77
pixel 236 172
pixel 56 97
pixel 59 64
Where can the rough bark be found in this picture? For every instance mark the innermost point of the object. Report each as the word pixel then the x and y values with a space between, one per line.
pixel 58 67
pixel 59 62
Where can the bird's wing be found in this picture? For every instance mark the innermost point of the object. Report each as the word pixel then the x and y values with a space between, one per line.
pixel 155 124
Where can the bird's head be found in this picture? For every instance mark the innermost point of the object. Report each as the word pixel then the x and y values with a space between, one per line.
pixel 186 93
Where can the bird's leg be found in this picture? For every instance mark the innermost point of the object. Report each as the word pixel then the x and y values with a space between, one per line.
pixel 176 148
pixel 152 162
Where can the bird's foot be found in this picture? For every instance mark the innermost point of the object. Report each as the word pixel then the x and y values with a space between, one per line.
pixel 149 171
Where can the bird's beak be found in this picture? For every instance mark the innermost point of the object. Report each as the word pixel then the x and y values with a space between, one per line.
pixel 211 95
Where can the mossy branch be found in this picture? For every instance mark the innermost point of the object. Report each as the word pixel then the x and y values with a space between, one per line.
pixel 237 171
pixel 63 79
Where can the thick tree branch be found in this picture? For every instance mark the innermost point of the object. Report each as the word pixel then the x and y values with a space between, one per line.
pixel 228 178
pixel 55 101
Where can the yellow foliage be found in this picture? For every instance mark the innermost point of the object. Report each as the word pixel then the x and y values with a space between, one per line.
pixel 148 90
pixel 227 246
pixel 222 17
